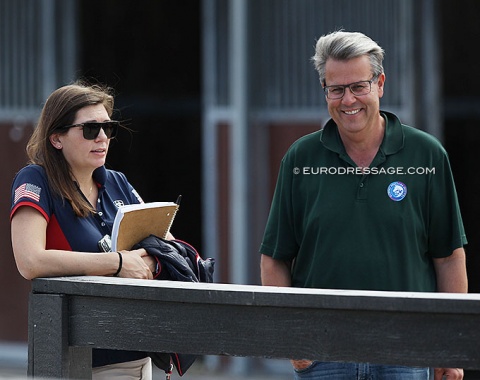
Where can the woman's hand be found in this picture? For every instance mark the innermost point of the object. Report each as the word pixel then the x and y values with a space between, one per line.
pixel 151 262
pixel 137 264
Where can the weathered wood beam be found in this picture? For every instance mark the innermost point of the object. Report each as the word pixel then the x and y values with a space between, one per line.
pixel 415 329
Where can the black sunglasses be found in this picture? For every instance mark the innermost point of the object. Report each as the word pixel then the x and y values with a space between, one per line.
pixel 91 129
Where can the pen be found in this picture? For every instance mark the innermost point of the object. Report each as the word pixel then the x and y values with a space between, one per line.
pixel 179 200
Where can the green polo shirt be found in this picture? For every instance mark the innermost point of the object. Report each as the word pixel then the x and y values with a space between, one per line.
pixel 377 230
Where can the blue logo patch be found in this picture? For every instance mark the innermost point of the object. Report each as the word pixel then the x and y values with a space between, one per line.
pixel 397 191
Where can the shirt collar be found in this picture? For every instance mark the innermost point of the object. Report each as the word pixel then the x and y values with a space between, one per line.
pixel 100 175
pixel 393 140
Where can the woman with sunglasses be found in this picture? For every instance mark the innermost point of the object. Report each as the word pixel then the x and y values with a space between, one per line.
pixel 64 203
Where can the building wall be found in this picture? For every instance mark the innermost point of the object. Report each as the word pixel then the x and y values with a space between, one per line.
pixel 14 288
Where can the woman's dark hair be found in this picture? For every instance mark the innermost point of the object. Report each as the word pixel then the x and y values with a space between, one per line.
pixel 59 110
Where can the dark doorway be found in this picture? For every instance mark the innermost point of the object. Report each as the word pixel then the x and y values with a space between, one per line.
pixel 462 121
pixel 149 52
pixel 462 118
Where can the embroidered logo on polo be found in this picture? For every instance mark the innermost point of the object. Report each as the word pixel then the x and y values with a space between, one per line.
pixel 119 203
pixel 397 191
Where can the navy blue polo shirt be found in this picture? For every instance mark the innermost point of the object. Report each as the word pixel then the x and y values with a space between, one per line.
pixel 66 231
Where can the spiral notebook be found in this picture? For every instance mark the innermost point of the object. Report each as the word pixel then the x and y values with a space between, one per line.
pixel 133 223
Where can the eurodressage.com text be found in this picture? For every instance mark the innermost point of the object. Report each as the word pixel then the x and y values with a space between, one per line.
pixel 321 170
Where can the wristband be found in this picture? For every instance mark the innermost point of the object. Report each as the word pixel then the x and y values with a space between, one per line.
pixel 120 262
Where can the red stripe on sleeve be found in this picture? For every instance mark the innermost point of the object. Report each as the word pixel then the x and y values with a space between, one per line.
pixel 34 205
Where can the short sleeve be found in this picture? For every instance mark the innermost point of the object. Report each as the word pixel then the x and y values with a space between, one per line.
pixel 30 188
pixel 279 239
pixel 446 230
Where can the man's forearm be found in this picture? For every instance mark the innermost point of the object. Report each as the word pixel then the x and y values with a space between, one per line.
pixel 452 273
pixel 274 272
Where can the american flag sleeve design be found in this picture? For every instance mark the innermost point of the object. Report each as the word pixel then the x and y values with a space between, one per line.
pixel 27 190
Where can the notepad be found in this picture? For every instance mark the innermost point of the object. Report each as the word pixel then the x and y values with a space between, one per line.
pixel 135 222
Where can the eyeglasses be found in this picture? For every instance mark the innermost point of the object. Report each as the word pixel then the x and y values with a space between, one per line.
pixel 361 88
pixel 91 129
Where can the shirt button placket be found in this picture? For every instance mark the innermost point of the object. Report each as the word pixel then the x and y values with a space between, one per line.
pixel 362 188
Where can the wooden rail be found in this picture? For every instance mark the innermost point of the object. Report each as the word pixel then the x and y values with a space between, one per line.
pixel 68 316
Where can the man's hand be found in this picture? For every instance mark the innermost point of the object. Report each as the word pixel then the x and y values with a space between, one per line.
pixel 448 373
pixel 301 364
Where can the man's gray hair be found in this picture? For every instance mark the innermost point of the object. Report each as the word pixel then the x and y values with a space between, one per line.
pixel 343 46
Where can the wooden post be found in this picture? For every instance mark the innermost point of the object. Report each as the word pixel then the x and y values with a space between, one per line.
pixel 49 353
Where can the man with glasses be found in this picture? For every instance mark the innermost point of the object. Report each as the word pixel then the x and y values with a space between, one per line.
pixel 368 218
